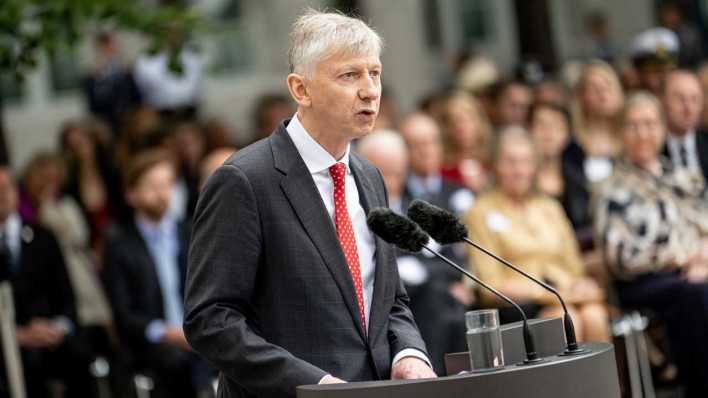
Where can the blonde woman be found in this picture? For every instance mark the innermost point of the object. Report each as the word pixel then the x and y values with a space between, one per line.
pixel 589 158
pixel 466 136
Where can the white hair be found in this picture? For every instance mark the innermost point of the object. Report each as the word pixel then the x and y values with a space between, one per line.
pixel 385 140
pixel 316 35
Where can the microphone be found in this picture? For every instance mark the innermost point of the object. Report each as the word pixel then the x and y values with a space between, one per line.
pixel 407 235
pixel 446 228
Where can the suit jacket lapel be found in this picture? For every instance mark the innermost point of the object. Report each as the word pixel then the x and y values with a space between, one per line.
pixel 141 252
pixel 702 151
pixel 370 199
pixel 305 199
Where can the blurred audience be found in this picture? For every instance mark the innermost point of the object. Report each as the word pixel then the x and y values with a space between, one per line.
pixel 686 142
pixel 654 52
pixel 110 89
pixel 211 162
pixel 217 134
pixel 425 180
pixel 691 50
pixel 466 139
pixel 268 111
pixel 145 265
pixel 48 330
pixel 702 73
pixel 60 214
pixel 190 148
pixel 388 112
pixel 438 296
pixel 549 126
pixel 91 179
pixel 588 158
pixel 509 102
pixel 551 92
pixel 653 222
pixel 139 124
pixel 388 152
pixel 531 230
pixel 599 45
pixel 171 79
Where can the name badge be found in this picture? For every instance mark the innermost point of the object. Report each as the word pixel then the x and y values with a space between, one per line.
pixel 497 222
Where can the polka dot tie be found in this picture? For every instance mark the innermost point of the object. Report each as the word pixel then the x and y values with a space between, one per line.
pixel 345 233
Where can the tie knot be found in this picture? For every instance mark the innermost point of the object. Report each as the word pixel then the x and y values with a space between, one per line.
pixel 337 172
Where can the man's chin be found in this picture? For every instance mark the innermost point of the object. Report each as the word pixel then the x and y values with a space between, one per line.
pixel 156 215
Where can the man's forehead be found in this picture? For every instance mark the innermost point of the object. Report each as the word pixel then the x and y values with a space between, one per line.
pixel 344 59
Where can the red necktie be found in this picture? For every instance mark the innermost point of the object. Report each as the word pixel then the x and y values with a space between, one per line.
pixel 345 233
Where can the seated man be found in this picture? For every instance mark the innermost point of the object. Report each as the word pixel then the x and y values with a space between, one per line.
pixel 145 262
pixel 45 314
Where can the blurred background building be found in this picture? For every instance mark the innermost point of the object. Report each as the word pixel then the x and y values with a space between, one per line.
pixel 246 42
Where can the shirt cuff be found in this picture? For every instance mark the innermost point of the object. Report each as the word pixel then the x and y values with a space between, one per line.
pixel 323 377
pixel 411 352
pixel 155 330
pixel 65 324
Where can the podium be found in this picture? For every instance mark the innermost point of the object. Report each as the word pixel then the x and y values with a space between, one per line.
pixel 589 375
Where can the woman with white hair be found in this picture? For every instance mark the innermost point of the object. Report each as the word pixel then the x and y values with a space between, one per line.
pixel 531 230
pixel 652 222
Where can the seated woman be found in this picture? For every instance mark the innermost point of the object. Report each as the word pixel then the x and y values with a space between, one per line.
pixel 653 225
pixel 532 231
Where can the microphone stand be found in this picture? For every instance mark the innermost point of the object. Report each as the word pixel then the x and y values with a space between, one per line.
pixel 572 347
pixel 531 355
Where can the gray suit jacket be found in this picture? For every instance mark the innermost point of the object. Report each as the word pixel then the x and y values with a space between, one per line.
pixel 269 298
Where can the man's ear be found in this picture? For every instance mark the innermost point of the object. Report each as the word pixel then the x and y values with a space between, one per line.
pixel 297 86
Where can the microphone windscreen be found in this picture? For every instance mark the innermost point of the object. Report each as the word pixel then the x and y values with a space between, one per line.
pixel 440 224
pixel 396 229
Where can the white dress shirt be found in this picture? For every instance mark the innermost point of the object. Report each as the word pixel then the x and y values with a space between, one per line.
pixel 688 141
pixel 318 162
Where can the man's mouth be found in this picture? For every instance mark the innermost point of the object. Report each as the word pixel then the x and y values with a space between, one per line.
pixel 367 112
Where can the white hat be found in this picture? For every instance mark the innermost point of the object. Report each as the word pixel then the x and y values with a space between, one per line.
pixel 657 42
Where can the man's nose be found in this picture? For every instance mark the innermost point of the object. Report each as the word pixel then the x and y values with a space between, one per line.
pixel 370 89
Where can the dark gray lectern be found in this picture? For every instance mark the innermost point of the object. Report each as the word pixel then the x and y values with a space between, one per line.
pixel 589 375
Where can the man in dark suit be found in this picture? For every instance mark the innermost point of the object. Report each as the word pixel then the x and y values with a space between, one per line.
pixel 286 285
pixel 687 143
pixel 145 262
pixel 47 330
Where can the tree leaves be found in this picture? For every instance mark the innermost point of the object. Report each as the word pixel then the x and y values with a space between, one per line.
pixel 28 27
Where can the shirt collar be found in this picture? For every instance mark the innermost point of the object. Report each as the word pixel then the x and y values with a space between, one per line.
pixel 150 230
pixel 316 158
pixel 425 185
pixel 687 139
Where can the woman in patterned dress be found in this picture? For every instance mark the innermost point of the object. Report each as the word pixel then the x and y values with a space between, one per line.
pixel 652 224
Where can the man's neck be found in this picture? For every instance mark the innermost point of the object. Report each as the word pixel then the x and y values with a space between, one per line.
pixel 680 133
pixel 335 144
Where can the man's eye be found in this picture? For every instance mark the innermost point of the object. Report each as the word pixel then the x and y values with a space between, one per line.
pixel 349 75
pixel 375 73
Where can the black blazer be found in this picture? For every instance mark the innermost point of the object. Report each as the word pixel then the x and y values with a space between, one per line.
pixel 269 298
pixel 41 285
pixel 701 148
pixel 132 283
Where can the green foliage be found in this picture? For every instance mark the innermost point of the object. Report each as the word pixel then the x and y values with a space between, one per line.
pixel 28 27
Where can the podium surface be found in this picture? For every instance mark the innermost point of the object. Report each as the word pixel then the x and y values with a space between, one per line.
pixel 593 374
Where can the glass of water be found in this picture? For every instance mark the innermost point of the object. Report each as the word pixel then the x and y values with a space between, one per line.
pixel 484 340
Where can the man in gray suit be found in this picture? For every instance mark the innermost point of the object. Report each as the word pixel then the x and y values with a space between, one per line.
pixel 286 285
